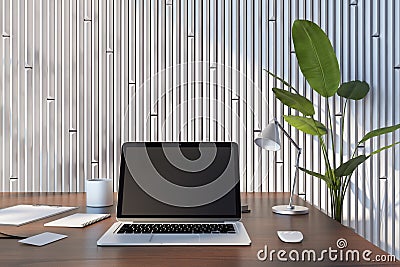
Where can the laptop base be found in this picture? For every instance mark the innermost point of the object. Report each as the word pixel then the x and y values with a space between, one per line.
pixel 111 238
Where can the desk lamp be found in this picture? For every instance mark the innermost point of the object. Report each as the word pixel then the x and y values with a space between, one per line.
pixel 269 140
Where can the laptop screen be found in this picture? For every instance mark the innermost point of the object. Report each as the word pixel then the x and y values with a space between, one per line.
pixel 179 180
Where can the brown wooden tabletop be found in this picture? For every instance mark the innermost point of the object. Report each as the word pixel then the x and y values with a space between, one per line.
pixel 80 249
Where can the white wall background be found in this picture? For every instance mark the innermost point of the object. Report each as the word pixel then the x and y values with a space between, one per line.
pixel 77 78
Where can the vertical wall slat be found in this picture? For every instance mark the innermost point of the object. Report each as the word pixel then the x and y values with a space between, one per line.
pixel 161 113
pixel 191 82
pixel 227 71
pixel 44 78
pixel 169 102
pixel 110 95
pixel 257 103
pixel 176 63
pixel 7 114
pixel 86 131
pixel 118 88
pixel 96 24
pixel 13 177
pixel 154 64
pixel 243 93
pixel 2 109
pixel 57 96
pixel 220 71
pixel 213 68
pixel 50 97
pixel 3 98
pixel 249 87
pixel 131 120
pixel 176 70
pixel 396 118
pixel 147 17
pixel 184 37
pixel 21 98
pixel 103 89
pixel 264 116
pixel 36 168
pixel 206 70
pixel 199 97
pixel 65 97
pixel 72 109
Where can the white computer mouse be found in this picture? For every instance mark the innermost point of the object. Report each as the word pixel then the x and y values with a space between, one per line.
pixel 290 236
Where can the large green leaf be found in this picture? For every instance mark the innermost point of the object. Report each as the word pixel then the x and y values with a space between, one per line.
pixel 307 125
pixel 384 148
pixel 315 174
pixel 355 90
pixel 380 131
pixel 348 167
pixel 295 101
pixel 316 57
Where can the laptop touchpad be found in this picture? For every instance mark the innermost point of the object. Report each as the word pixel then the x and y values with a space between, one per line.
pixel 171 238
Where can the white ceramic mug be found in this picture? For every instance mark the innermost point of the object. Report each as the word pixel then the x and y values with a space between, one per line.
pixel 99 192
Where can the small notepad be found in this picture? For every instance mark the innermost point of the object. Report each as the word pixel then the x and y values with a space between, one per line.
pixel 78 220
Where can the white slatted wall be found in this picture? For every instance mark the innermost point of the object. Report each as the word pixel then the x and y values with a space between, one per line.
pixel 77 78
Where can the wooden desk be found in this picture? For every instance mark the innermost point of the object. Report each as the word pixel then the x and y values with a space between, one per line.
pixel 79 249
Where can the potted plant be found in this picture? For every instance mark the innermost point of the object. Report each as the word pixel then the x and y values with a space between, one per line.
pixel 318 63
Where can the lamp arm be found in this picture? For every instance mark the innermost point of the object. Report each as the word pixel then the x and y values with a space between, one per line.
pixel 296 174
pixel 287 135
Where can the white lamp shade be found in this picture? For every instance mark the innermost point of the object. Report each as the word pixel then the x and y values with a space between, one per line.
pixel 269 138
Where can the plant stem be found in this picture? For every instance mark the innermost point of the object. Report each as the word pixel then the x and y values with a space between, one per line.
pixel 348 177
pixel 325 153
pixel 346 184
pixel 332 201
pixel 332 137
pixel 338 208
pixel 322 144
pixel 342 131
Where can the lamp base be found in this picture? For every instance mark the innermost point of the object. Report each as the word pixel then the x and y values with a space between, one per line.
pixel 286 210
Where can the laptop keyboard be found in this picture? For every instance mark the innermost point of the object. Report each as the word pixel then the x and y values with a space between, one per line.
pixel 201 228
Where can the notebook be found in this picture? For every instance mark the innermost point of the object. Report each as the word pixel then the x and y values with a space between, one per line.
pixel 78 220
pixel 22 214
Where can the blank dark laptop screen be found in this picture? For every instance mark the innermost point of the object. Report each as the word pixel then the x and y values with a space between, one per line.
pixel 179 180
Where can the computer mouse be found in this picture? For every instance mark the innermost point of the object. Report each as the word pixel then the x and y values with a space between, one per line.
pixel 290 236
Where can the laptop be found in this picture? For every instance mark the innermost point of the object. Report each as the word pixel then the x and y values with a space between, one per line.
pixel 178 193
